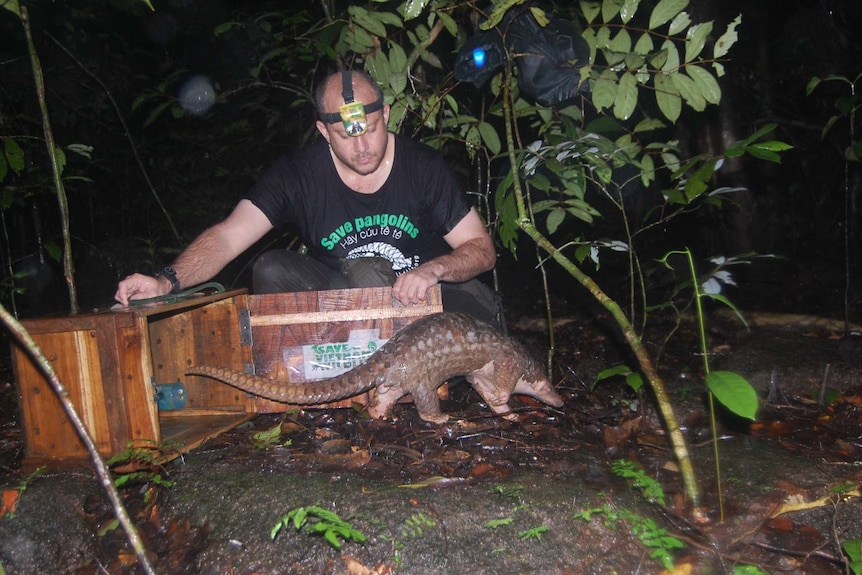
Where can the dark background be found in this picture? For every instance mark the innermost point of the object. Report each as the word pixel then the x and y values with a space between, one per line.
pixel 198 165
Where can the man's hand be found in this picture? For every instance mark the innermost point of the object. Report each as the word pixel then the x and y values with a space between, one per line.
pixel 411 287
pixel 139 286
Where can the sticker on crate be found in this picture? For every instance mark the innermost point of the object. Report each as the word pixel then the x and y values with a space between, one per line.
pixel 323 360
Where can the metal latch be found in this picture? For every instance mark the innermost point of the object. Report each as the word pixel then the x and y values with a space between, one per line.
pixel 170 396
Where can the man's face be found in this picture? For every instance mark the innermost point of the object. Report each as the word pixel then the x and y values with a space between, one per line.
pixel 361 154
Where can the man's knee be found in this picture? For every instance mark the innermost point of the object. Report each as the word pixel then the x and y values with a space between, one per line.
pixel 368 272
pixel 278 271
pixel 476 299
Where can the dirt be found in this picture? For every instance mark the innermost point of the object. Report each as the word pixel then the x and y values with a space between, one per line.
pixel 483 495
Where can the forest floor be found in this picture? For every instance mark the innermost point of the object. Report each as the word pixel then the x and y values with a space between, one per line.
pixel 483 495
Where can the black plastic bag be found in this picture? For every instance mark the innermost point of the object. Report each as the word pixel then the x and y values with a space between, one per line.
pixel 549 58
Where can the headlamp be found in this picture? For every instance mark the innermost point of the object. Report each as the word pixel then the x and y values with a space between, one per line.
pixel 352 114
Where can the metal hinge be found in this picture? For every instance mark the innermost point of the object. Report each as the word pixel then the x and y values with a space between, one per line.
pixel 245 327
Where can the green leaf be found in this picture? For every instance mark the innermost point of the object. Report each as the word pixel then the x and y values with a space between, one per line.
pixel 555 218
pixel 12 6
pixel 490 137
pixel 413 8
pixel 705 82
pixel 667 97
pixel 698 182
pixel 388 18
pixel 853 549
pixel 628 9
pixel 495 523
pixel 728 39
pixel 378 67
pixel 613 371
pixel 680 23
pixel 610 8
pixel 332 539
pixel 362 17
pixel 357 39
pixel 397 58
pixel 14 155
pixel 622 42
pixel 671 62
pixel 497 13
pixel 448 23
pixel 734 392
pixel 644 45
pixel 689 91
pixel 4 169
pixel 647 167
pixel 763 154
pixel 540 16
pixel 299 518
pixel 590 10
pixel 664 11
pixel 605 90
pixel 626 98
pixel 81 149
pixel 648 125
pixel 634 381
pixel 61 159
pixel 696 39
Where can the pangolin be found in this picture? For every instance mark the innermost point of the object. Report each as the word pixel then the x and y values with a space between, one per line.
pixel 416 361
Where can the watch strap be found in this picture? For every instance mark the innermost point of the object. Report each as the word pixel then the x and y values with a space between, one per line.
pixel 171 274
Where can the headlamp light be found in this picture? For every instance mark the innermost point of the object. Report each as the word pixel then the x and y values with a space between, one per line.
pixel 352 114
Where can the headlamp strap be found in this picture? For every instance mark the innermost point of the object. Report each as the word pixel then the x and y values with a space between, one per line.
pixel 347 86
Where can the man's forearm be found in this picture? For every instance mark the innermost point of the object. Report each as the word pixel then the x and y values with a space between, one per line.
pixel 467 261
pixel 206 256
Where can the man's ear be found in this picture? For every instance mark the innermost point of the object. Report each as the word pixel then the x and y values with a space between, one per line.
pixel 386 114
pixel 321 127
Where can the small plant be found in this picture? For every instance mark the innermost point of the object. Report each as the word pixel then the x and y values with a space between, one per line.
pixel 495 523
pixel 650 488
pixel 534 533
pixel 141 461
pixel 730 389
pixel 315 520
pixel 270 438
pixel 644 529
pixel 510 491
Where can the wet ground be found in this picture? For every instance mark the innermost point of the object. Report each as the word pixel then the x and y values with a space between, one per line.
pixel 483 495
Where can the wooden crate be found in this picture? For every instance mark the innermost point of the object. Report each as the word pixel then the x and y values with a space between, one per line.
pixel 111 361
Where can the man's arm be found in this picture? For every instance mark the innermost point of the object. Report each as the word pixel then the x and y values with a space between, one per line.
pixel 207 255
pixel 472 254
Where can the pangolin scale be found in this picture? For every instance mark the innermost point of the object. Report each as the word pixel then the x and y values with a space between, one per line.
pixel 416 361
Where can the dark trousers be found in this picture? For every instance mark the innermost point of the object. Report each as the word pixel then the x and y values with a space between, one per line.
pixel 280 271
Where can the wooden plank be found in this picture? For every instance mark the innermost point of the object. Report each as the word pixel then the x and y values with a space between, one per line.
pixel 190 432
pixel 110 379
pixel 136 376
pixel 191 302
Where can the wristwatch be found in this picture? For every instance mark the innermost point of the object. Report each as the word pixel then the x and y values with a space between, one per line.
pixel 171 274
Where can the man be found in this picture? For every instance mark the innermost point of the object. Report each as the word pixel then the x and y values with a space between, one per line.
pixel 374 208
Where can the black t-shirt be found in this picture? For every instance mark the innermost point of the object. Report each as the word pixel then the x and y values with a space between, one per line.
pixel 404 221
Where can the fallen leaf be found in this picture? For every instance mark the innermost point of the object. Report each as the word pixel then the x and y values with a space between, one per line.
pixel 10 501
pixel 681 569
pixel 354 567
